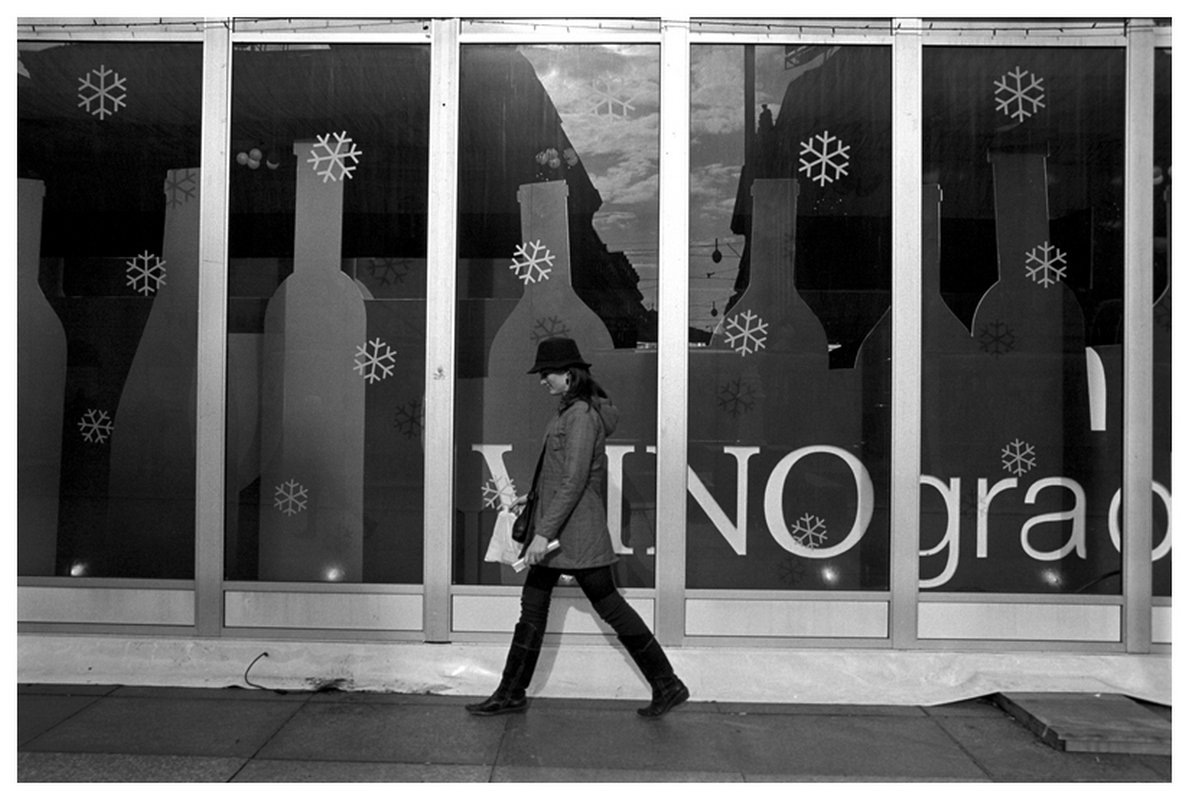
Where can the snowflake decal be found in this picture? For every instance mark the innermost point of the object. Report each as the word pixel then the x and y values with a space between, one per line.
pixel 532 262
pixel 331 162
pixel 499 493
pixel 145 273
pixel 95 426
pixel 1019 94
pixel 736 397
pixel 746 333
pixel 809 531
pixel 1045 264
pixel 181 187
pixel 829 160
pixel 107 87
pixel 612 97
pixel 290 498
pixel 547 327
pixel 790 571
pixel 1018 457
pixel 408 419
pixel 389 270
pixel 996 338
pixel 375 360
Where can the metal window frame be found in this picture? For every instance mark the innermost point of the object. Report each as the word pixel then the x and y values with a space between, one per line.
pixel 907 37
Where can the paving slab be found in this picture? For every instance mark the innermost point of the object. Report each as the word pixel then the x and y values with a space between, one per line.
pixel 66 688
pixel 573 738
pixel 389 732
pixel 284 771
pixel 1091 722
pixel 123 768
pixel 37 714
pixel 515 774
pixel 1008 751
pixel 877 748
pixel 167 726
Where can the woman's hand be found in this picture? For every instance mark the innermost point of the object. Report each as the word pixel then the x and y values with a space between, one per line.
pixel 536 551
pixel 518 503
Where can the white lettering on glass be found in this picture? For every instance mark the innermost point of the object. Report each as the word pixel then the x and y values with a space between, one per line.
pixel 1077 514
pixel 774 503
pixel 949 540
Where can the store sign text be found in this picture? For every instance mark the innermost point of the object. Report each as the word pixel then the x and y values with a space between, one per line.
pixel 735 531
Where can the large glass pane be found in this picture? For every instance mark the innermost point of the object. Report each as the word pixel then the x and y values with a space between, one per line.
pixel 326 332
pixel 790 278
pixel 107 209
pixel 1162 332
pixel 559 149
pixel 1023 327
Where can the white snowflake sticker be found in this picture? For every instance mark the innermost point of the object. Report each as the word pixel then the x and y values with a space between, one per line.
pixel 746 333
pixel 95 426
pixel 532 262
pixel 290 498
pixel 809 531
pixel 1018 457
pixel 1019 94
pixel 331 162
pixel 374 360
pixel 829 158
pixel 612 97
pixel 1045 264
pixel 181 187
pixel 145 273
pixel 499 492
pixel 104 89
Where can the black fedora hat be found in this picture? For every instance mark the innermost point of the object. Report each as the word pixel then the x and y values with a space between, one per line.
pixel 557 353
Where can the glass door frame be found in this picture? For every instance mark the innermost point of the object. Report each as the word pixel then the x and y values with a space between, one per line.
pixel 907 38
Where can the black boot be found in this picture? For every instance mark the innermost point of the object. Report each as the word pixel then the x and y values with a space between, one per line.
pixel 668 691
pixel 509 697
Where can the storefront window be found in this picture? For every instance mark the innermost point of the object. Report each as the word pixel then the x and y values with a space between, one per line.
pixel 1162 331
pixel 557 188
pixel 326 306
pixel 107 209
pixel 1023 327
pixel 790 279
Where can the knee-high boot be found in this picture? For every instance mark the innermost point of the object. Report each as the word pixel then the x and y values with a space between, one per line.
pixel 509 697
pixel 668 691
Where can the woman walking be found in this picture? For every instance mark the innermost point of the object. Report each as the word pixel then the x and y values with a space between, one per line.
pixel 571 510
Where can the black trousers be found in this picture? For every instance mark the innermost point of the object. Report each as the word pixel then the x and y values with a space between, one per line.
pixel 597 583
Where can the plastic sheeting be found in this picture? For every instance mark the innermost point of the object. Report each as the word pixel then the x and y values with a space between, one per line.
pixel 735 674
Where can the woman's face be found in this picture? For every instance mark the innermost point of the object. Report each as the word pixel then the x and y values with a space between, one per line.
pixel 557 382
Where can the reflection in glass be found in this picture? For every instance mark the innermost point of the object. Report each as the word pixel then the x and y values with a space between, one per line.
pixel 108 179
pixel 1162 330
pixel 558 160
pixel 326 335
pixel 790 268
pixel 1023 280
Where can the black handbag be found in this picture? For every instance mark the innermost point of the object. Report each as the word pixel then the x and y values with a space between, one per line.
pixel 522 528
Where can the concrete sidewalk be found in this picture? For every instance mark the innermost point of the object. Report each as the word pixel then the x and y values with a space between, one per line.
pixel 127 733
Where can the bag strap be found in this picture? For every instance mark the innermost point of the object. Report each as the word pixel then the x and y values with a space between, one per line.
pixel 537 472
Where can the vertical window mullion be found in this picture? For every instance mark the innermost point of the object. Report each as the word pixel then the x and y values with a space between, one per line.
pixel 211 378
pixel 673 333
pixel 1137 344
pixel 906 331
pixel 440 316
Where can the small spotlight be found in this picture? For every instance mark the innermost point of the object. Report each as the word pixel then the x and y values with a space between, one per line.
pixel 333 573
pixel 1052 577
pixel 78 569
pixel 829 575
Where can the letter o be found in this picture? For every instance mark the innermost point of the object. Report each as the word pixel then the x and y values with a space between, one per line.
pixel 774 506
pixel 1160 550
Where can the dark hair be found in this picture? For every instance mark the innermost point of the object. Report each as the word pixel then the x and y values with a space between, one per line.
pixel 582 385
